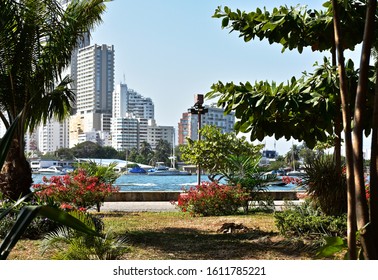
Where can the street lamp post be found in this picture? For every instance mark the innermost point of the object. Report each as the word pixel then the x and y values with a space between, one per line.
pixel 198 109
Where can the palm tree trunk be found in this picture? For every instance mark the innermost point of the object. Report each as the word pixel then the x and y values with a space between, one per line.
pixel 15 176
pixel 351 223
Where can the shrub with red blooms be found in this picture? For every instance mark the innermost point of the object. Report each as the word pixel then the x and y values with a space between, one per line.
pixel 77 191
pixel 292 180
pixel 367 189
pixel 212 199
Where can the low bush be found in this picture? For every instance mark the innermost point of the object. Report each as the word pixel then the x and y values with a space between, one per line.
pixel 326 184
pixel 36 230
pixel 77 191
pixel 213 199
pixel 69 244
pixel 305 220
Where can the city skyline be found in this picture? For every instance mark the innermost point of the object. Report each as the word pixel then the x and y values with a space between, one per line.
pixel 171 50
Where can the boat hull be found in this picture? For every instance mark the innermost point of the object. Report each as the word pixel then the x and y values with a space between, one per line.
pixel 168 173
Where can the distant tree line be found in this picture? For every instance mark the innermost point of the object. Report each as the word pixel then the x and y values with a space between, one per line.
pixel 144 155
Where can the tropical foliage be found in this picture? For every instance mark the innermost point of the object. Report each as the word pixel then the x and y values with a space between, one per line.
pixel 80 191
pixel 305 220
pixel 213 199
pixel 37 39
pixel 342 26
pixel 70 244
pixel 326 188
pixel 216 152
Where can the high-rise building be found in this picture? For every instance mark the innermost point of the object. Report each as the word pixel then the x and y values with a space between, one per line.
pixel 128 132
pixel 55 134
pixel 128 101
pixel 95 85
pixel 52 136
pixel 95 79
pixel 188 125
pixel 131 114
pixel 133 120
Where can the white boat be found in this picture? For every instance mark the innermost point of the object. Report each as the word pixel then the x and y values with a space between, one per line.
pixel 169 172
pixel 162 170
pixel 52 170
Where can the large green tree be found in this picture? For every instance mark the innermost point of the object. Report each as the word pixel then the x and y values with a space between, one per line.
pixel 342 26
pixel 214 153
pixel 37 38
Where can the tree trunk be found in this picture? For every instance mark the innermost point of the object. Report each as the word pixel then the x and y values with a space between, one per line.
pixel 363 222
pixel 345 101
pixel 15 176
pixel 374 165
pixel 337 120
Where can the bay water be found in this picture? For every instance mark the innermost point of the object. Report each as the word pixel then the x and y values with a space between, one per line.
pixel 161 183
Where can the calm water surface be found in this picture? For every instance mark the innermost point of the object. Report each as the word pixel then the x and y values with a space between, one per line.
pixel 158 183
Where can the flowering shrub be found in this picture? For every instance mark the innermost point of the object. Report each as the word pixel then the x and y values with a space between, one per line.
pixel 367 189
pixel 212 199
pixel 77 191
pixel 292 180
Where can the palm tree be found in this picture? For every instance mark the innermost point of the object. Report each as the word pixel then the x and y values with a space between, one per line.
pixel 292 155
pixel 37 38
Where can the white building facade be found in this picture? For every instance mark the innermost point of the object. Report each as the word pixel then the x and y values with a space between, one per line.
pixel 95 85
pixel 188 125
pixel 128 101
pixel 156 133
pixel 128 132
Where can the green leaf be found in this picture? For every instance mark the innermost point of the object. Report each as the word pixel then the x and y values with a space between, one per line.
pixel 6 141
pixel 65 219
pixel 261 100
pixel 28 213
pixel 333 245
pixel 225 22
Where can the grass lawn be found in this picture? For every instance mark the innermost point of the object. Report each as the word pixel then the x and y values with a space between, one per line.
pixel 175 236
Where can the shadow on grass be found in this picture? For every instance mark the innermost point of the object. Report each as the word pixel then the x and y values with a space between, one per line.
pixel 191 244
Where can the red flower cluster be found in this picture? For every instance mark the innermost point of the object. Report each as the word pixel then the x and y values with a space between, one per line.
pixel 292 180
pixel 212 199
pixel 367 189
pixel 78 191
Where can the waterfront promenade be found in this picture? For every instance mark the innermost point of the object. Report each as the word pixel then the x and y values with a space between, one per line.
pixel 160 206
pixel 144 201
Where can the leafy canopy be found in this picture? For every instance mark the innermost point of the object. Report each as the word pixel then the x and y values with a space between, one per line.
pixel 215 151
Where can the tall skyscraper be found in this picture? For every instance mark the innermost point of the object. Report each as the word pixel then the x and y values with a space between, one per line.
pixel 95 84
pixel 95 79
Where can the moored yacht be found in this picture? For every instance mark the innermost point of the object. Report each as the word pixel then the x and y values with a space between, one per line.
pixel 52 170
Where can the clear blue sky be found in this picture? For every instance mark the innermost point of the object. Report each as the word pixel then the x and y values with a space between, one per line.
pixel 170 50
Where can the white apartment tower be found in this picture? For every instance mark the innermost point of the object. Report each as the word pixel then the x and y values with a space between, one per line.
pixel 131 114
pixel 53 136
pixel 128 132
pixel 95 84
pixel 128 101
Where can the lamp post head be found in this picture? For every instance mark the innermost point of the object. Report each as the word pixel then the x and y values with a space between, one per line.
pixel 198 99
